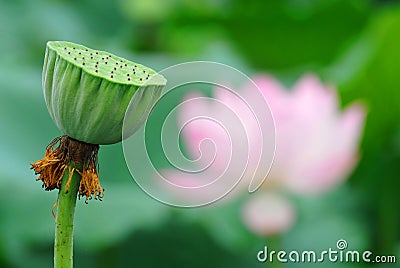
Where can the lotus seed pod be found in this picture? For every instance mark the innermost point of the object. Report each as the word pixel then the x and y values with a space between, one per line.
pixel 87 91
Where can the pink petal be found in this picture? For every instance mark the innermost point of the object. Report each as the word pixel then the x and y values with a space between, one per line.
pixel 203 136
pixel 323 175
pixel 197 188
pixel 310 96
pixel 268 214
pixel 322 151
pixel 224 123
pixel 273 91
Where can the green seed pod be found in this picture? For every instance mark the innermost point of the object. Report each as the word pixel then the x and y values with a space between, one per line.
pixel 87 91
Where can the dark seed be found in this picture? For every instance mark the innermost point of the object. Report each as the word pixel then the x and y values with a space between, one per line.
pixel 96 71
pixel 74 58
pixel 95 66
pixel 126 64
pixel 140 79
pixel 83 63
pixel 97 53
pixel 91 58
pixel 115 68
pixel 65 48
pixel 79 53
pixel 112 72
pixel 69 53
pixel 105 62
pixel 112 76
pixel 127 74
pixel 129 79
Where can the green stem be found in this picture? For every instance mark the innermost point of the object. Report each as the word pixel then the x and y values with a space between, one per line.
pixel 274 243
pixel 63 248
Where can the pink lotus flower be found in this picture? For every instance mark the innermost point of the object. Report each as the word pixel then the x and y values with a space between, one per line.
pixel 316 145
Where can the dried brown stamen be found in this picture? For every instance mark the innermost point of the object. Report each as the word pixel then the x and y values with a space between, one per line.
pixel 65 152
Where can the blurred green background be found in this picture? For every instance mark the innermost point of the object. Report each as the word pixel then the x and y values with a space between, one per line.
pixel 353 43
